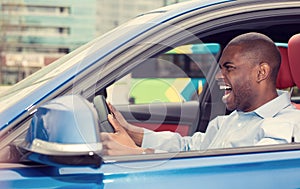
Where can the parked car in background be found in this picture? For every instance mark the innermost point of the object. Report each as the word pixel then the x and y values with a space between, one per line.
pixel 158 70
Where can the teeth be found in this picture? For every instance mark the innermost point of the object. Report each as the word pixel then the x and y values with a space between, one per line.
pixel 224 98
pixel 223 87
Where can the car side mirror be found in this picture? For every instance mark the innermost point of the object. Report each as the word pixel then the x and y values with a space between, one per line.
pixel 64 132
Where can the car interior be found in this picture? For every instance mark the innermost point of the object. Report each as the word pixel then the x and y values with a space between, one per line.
pixel 210 103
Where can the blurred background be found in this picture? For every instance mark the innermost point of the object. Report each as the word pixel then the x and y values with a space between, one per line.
pixel 34 33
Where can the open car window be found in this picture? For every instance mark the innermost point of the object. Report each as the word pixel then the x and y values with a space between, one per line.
pixel 163 93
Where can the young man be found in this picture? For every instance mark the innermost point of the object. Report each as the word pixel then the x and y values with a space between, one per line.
pixel 261 115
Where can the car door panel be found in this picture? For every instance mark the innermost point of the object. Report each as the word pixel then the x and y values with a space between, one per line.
pixel 178 117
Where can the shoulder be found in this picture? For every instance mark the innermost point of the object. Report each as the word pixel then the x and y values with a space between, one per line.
pixel 290 113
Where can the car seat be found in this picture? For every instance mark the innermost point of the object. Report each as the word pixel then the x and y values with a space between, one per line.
pixel 294 60
pixel 284 78
pixel 290 65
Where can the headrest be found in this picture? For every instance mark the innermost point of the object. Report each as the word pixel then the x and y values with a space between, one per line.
pixel 284 78
pixel 294 57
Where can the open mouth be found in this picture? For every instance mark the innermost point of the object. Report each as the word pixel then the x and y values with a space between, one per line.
pixel 228 90
pixel 225 87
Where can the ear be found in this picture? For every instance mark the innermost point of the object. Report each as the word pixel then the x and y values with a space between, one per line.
pixel 263 73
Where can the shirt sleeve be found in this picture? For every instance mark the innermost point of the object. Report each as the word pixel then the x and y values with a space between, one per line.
pixel 170 141
pixel 173 142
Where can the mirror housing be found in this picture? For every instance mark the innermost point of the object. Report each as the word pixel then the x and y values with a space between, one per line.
pixel 64 131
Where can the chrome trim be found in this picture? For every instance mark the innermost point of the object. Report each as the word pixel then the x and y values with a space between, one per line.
pixel 51 148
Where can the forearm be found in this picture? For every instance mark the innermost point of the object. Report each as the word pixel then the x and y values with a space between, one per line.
pixel 136 133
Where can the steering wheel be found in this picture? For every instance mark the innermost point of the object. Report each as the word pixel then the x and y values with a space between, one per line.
pixel 102 110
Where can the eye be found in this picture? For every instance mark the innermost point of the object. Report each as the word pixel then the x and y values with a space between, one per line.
pixel 228 66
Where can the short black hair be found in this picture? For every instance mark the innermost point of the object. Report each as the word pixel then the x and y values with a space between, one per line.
pixel 260 48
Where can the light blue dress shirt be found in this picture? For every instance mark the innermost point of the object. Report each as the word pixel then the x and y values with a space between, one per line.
pixel 275 122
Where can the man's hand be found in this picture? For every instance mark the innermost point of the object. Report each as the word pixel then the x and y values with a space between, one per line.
pixel 135 133
pixel 118 143
pixel 118 116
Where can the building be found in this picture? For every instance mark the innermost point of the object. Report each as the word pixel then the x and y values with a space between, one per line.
pixel 116 12
pixel 34 33
pixel 112 13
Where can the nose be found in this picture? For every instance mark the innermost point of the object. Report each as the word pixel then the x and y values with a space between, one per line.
pixel 219 76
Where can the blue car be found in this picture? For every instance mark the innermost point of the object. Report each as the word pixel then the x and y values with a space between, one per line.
pixel 158 70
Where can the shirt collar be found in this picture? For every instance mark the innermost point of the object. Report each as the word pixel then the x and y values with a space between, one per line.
pixel 271 108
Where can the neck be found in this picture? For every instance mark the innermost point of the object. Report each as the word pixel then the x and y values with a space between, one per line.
pixel 263 98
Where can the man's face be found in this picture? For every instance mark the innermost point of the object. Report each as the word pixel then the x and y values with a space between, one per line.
pixel 237 79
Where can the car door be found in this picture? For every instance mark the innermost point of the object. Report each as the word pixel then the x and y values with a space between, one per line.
pixel 245 167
